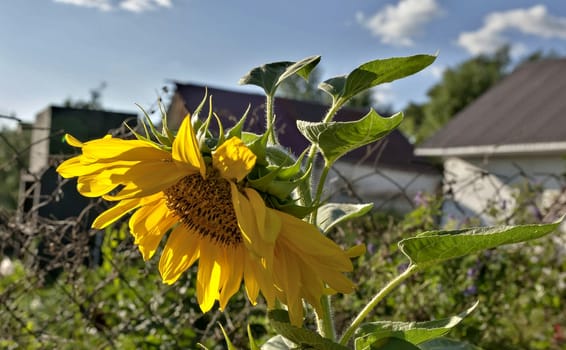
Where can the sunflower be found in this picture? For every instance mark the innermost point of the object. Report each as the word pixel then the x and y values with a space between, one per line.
pixel 208 211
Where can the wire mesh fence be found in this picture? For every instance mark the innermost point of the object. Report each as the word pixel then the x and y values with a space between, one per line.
pixel 65 285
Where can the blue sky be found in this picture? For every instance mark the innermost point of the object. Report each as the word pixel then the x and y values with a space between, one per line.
pixel 54 49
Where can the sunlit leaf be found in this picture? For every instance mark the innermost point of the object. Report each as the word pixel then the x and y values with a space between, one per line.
pixel 269 76
pixel 413 332
pixel 334 139
pixel 331 214
pixel 373 73
pixel 435 246
pixel 279 320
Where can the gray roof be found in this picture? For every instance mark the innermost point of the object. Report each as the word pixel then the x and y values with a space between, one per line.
pixel 394 151
pixel 524 113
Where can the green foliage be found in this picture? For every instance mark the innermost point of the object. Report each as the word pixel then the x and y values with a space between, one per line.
pixel 14 157
pixel 520 288
pixel 458 87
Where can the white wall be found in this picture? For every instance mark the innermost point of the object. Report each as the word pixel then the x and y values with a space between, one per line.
pixel 386 187
pixel 477 185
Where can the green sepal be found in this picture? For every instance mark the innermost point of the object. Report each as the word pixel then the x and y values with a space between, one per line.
pixel 258 145
pixel 413 332
pixel 290 171
pixel 270 184
pixel 253 345
pixel 164 126
pixel 236 130
pixel 374 73
pixel 334 139
pixel 290 207
pixel 228 342
pixel 162 139
pixel 432 247
pixel 269 76
pixel 302 337
pixel 331 214
pixel 221 136
pixel 202 132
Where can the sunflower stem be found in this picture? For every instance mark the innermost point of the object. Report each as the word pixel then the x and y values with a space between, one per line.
pixel 320 189
pixel 325 322
pixel 307 197
pixel 270 117
pixel 373 302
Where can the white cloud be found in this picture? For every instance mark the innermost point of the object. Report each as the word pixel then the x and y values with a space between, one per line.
pixel 384 94
pixel 437 71
pixel 128 5
pixel 533 21
pixel 143 5
pixel 398 24
pixel 102 5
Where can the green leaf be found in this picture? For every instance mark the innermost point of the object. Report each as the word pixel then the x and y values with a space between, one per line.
pixel 331 214
pixel 334 139
pixel 269 76
pixel 373 73
pixel 435 246
pixel 447 344
pixel 390 344
pixel 279 320
pixel 236 130
pixel 413 332
pixel 228 342
pixel 276 343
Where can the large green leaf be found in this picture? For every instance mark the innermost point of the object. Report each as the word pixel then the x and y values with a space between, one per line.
pixel 276 343
pixel 373 73
pixel 332 214
pixel 390 344
pixel 413 332
pixel 435 246
pixel 447 344
pixel 270 75
pixel 334 139
pixel 279 320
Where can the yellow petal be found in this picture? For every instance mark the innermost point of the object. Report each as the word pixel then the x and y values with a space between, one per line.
pixel 122 150
pixel 233 159
pixel 268 223
pixel 95 185
pixel 208 276
pixel 147 178
pixel 256 223
pixel 231 274
pixel 180 252
pixel 73 141
pixel 186 148
pixel 110 216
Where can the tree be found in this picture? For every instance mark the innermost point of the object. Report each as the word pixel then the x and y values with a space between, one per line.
pixel 458 87
pixel 94 103
pixel 14 150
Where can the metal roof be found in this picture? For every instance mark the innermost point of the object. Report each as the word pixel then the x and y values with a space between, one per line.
pixel 524 113
pixel 393 151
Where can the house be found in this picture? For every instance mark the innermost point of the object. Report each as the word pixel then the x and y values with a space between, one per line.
pixel 513 134
pixel 386 172
pixel 41 192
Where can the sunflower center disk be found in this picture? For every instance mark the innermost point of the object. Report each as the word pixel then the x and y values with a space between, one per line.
pixel 205 207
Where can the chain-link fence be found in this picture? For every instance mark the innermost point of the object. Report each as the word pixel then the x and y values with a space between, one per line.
pixel 64 285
